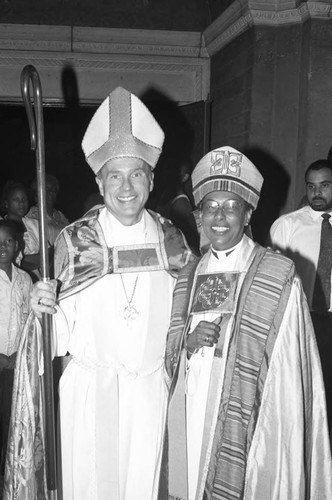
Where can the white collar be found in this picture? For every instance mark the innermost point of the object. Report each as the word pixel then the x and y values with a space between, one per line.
pixel 317 214
pixel 4 275
pixel 223 254
pixel 117 234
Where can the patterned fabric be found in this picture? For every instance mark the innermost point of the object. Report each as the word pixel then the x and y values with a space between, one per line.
pixel 82 256
pixel 226 169
pixel 25 473
pixel 258 321
pixel 122 127
pixel 177 328
pixel 261 305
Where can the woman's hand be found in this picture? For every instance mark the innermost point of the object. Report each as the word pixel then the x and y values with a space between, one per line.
pixel 43 297
pixel 206 334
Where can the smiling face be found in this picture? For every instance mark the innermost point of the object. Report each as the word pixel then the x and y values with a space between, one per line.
pixel 17 204
pixel 125 184
pixel 224 228
pixel 8 248
pixel 319 189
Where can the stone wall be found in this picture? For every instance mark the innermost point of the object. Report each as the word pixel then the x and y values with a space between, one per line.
pixel 319 100
pixel 231 92
pixel 271 92
pixel 278 117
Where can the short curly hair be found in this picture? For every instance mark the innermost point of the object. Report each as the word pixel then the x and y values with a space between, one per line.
pixel 11 186
pixel 318 165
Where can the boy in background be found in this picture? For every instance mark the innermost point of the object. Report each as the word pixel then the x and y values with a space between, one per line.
pixel 15 285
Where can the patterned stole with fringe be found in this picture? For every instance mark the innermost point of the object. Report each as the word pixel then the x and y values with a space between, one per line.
pixel 260 310
pixel 261 307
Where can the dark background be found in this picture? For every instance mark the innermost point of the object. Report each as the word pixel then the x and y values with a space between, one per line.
pixel 64 128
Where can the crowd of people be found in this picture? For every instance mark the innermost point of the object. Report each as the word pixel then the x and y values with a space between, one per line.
pixel 19 204
pixel 19 268
pixel 194 370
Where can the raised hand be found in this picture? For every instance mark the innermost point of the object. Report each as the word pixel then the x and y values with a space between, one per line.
pixel 206 334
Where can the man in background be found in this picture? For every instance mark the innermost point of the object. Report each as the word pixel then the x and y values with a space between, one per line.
pixel 305 236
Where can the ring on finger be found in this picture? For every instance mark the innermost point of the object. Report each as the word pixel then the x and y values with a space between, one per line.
pixel 40 301
pixel 207 338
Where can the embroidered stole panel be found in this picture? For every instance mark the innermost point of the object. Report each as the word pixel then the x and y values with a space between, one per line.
pixel 82 256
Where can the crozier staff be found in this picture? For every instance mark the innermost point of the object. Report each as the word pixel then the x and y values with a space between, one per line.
pixel 247 419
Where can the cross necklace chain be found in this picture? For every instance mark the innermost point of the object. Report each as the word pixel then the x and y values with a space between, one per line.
pixel 130 312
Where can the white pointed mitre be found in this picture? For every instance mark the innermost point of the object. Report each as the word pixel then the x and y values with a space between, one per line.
pixel 122 127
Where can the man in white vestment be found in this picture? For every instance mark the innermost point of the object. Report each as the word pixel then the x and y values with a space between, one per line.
pixel 116 267
pixel 247 416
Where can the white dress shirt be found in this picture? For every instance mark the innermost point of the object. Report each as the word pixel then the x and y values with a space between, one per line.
pixel 297 235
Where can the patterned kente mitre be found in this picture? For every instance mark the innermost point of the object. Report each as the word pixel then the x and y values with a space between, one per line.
pixel 122 127
pixel 226 169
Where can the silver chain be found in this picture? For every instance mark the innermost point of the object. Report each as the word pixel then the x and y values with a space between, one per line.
pixel 129 312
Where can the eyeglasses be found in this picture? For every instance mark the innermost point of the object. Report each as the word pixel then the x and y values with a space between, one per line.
pixel 229 207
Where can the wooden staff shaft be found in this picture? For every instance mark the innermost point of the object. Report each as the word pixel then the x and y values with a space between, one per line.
pixel 29 76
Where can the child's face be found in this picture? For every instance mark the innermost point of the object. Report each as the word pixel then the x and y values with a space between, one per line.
pixel 8 247
pixel 17 203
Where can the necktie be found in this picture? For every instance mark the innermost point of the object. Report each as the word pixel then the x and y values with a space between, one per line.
pixel 322 289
